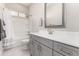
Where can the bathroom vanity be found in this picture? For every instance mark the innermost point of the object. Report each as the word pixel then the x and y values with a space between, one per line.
pixel 56 44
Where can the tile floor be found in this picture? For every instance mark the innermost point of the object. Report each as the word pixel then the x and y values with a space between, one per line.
pixel 21 50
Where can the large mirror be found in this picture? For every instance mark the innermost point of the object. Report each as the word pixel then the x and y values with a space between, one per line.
pixel 54 15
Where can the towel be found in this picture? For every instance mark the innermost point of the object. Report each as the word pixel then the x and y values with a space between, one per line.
pixel 2 30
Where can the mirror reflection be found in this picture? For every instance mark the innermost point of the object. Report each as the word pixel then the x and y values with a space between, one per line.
pixel 54 15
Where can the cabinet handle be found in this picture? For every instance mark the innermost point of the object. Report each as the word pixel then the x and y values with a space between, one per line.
pixel 30 36
pixel 65 51
pixel 40 48
pixel 32 42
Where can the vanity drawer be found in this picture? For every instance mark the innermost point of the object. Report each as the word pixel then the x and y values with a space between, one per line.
pixel 66 50
pixel 44 41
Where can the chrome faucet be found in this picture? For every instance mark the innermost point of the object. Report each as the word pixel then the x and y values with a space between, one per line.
pixel 50 29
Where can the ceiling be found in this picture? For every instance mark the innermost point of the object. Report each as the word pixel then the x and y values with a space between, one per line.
pixel 26 4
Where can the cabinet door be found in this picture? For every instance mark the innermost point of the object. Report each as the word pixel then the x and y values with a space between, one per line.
pixel 32 48
pixel 45 51
pixel 36 48
pixel 31 45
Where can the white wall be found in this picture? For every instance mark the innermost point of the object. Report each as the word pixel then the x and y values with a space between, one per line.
pixel 1 10
pixel 71 12
pixel 37 12
pixel 72 16
pixel 2 5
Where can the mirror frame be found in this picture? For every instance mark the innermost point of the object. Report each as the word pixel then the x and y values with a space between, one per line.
pixel 54 26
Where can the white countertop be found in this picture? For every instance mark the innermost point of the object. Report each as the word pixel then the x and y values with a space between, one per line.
pixel 70 38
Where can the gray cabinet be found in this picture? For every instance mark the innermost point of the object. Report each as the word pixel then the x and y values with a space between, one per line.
pixel 36 48
pixel 40 50
pixel 32 48
pixel 45 51
pixel 40 46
